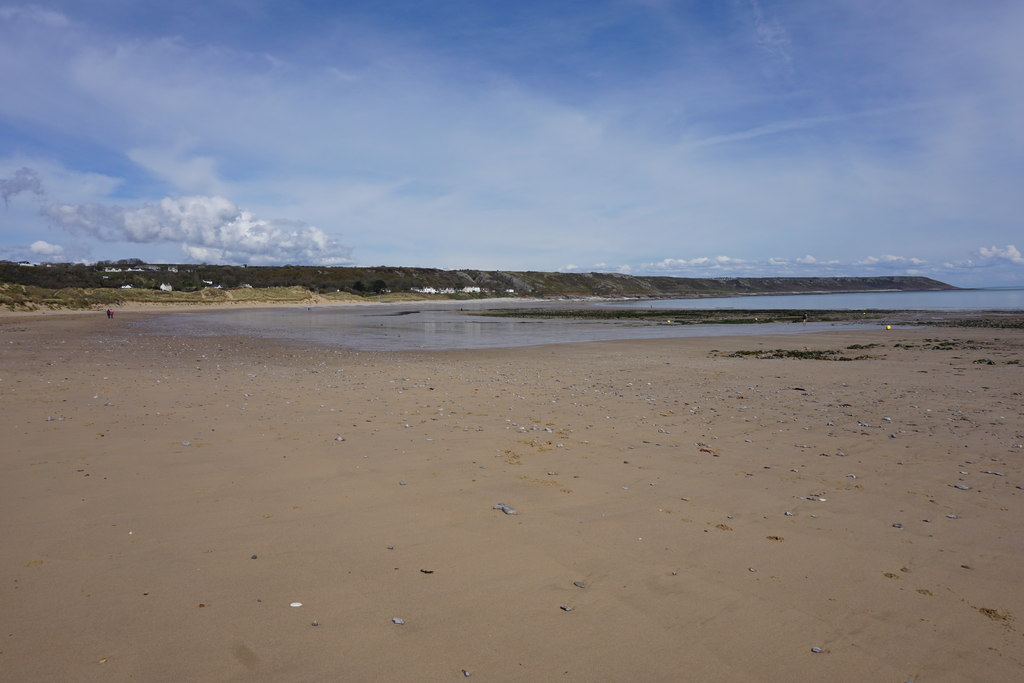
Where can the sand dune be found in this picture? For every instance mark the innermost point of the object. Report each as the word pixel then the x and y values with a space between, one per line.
pixel 164 501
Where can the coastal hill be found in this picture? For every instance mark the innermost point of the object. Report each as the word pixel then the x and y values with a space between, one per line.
pixel 134 274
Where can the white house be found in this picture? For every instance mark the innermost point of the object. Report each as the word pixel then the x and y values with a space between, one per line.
pixel 166 287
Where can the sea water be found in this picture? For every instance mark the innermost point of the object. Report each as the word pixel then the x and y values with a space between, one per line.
pixel 987 299
pixel 456 325
pixel 429 326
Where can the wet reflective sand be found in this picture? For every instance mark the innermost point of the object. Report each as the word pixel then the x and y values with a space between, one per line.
pixel 434 326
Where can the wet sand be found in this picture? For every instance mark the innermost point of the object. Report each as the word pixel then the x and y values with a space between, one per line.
pixel 165 499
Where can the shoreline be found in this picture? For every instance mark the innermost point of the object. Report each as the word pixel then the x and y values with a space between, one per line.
pixel 165 499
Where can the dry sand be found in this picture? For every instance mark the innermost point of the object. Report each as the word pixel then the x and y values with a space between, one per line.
pixel 707 504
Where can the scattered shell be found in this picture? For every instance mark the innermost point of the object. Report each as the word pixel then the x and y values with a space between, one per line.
pixel 817 650
pixel 296 604
pixel 402 483
pixel 579 584
pixel 466 673
pixel 315 623
pixel 951 517
pixel 788 514
pixel 339 437
pixel 565 608
pixel 507 509
pixel 897 525
pixel 962 487
pixel 186 443
pixel 397 620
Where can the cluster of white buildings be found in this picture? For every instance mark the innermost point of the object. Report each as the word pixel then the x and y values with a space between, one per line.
pixel 140 269
pixel 449 290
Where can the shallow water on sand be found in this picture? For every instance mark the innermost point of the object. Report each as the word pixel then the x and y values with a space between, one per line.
pixel 432 326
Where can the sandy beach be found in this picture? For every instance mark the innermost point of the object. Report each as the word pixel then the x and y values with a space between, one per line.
pixel 684 513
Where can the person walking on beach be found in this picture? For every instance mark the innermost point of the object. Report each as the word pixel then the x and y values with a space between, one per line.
pixel 110 313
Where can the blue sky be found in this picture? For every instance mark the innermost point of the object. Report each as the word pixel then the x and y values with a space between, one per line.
pixel 697 138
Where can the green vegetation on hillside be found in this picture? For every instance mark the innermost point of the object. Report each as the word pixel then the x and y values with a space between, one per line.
pixel 102 280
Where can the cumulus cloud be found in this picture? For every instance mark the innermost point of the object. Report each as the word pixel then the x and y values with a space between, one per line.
pixel 988 257
pixel 674 264
pixel 44 248
pixel 775 266
pixel 23 180
pixel 211 229
pixel 891 260
pixel 1009 253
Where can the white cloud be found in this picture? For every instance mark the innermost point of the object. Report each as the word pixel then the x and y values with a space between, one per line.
pixel 989 258
pixel 1009 253
pixel 209 229
pixel 890 260
pixel 44 248
pixel 675 264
